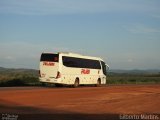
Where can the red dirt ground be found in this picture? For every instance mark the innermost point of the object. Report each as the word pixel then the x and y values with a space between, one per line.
pixel 110 102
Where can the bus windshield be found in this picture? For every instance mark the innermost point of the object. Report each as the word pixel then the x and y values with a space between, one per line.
pixel 49 57
pixel 104 68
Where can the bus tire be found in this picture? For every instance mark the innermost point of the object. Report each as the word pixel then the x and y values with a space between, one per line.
pixel 58 85
pixel 76 83
pixel 43 84
pixel 98 83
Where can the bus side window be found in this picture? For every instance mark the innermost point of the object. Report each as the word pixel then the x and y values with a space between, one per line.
pixel 68 62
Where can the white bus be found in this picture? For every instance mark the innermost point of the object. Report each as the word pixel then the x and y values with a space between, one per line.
pixel 72 69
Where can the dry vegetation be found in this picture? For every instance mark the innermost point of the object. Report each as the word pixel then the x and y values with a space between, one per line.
pixel 29 77
pixel 18 77
pixel 136 78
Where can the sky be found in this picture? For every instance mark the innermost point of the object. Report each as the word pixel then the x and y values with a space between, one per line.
pixel 125 33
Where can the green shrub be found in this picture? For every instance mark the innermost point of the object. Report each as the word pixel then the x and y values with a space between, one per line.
pixel 132 79
pixel 18 77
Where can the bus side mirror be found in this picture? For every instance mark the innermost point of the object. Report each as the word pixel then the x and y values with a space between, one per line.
pixel 107 67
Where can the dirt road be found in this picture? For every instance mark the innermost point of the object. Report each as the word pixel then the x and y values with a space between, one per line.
pixel 111 102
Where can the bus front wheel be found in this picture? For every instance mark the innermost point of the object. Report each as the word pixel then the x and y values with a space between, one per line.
pixel 76 83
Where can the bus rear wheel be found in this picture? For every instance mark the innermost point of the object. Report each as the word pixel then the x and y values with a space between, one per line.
pixel 76 83
pixel 98 83
pixel 43 83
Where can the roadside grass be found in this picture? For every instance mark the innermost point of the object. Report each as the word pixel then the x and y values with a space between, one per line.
pixel 23 77
pixel 12 77
pixel 133 79
pixel 26 81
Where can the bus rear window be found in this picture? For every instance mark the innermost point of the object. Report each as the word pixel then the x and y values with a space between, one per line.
pixel 49 57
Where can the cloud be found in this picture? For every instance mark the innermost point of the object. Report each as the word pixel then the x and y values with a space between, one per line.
pixel 156 16
pixel 139 28
pixel 130 60
pixel 10 58
pixel 45 7
pixel 26 55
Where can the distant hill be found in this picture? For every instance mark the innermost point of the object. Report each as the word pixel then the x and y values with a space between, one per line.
pixel 2 69
pixel 149 71
pixel 18 77
pixel 34 72
pixel 11 73
pixel 26 77
pixel 14 70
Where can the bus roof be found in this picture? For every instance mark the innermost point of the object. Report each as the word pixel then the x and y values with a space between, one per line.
pixel 79 55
